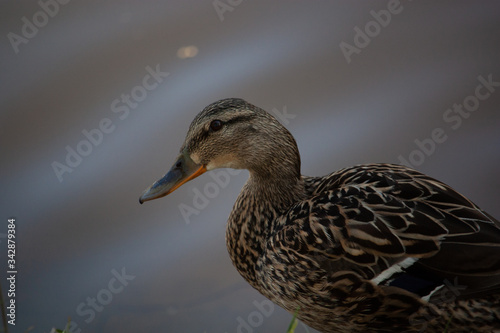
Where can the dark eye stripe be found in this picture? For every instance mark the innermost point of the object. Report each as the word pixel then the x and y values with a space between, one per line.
pixel 204 133
pixel 239 119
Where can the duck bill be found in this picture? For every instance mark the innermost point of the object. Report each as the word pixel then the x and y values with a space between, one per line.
pixel 183 170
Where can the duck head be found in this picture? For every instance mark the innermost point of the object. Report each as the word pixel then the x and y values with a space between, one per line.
pixel 231 133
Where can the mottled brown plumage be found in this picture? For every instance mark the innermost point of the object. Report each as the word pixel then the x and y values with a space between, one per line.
pixel 370 248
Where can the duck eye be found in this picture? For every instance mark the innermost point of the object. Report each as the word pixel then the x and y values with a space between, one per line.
pixel 215 125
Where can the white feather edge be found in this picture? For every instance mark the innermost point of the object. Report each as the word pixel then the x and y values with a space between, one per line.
pixel 394 269
pixel 428 297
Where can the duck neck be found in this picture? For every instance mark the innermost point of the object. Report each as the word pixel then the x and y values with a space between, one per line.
pixel 275 184
pixel 278 193
pixel 261 201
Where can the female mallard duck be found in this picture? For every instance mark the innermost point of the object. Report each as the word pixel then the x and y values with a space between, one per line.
pixel 371 248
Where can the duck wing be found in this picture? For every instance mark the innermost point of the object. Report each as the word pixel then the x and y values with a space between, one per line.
pixel 394 226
